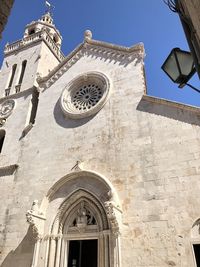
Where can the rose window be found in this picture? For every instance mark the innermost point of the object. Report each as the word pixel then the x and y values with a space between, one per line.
pixel 85 95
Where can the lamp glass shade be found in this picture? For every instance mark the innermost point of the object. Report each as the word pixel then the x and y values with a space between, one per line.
pixel 171 68
pixel 179 66
pixel 185 62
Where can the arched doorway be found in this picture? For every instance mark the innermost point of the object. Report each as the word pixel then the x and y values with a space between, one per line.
pixel 77 224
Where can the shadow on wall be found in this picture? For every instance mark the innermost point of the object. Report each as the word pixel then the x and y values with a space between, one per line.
pixel 67 122
pixel 169 110
pixel 23 254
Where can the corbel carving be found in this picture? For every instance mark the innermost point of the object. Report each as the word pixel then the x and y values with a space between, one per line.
pixel 114 216
pixel 36 220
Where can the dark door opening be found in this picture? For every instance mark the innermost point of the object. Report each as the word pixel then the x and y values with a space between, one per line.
pixel 82 253
pixel 197 254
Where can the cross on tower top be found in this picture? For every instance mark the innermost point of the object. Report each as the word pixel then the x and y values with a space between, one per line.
pixel 49 7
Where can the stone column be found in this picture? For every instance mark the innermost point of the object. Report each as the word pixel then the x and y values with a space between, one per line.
pixel 58 250
pixel 63 257
pixel 117 254
pixel 101 250
pixel 47 241
pixel 36 252
pixel 52 252
pixel 106 249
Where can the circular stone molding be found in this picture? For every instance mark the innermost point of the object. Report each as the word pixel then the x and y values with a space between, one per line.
pixel 85 95
pixel 6 108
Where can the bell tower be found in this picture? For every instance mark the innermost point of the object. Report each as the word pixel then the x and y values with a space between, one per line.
pixel 38 52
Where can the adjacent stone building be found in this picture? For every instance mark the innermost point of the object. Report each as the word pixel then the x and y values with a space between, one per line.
pixel 5 8
pixel 93 172
pixel 189 13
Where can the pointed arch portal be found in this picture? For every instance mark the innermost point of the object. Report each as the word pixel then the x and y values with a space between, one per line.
pixel 77 224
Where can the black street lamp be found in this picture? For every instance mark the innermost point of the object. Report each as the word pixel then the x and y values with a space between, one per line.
pixel 179 66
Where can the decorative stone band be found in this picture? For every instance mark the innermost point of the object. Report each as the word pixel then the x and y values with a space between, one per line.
pixel 38 36
pixel 85 95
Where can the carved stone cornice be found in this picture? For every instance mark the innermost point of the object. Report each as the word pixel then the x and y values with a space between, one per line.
pixel 15 96
pixel 42 35
pixel 90 47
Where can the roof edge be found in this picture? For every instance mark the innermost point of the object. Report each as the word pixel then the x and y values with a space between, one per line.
pixel 171 103
pixel 137 48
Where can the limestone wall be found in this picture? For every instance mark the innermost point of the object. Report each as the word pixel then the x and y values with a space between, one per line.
pixel 39 60
pixel 149 151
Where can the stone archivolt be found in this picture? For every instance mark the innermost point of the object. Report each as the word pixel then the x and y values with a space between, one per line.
pixel 82 214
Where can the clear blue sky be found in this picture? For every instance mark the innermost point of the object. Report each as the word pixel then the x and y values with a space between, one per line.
pixel 123 22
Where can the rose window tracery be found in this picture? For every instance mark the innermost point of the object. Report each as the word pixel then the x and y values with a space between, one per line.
pixel 85 95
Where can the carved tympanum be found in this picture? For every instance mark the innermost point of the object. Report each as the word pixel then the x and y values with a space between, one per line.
pixel 83 218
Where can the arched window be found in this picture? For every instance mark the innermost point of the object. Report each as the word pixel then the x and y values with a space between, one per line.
pixel 23 67
pixel 2 137
pixel 33 107
pixel 55 38
pixel 81 224
pixel 7 91
pixel 31 31
pixel 22 71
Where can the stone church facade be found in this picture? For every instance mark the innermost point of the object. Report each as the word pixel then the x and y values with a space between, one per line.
pixel 93 172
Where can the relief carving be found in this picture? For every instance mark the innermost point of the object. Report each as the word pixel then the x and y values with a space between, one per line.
pixel 6 109
pixel 113 214
pixel 2 122
pixel 83 218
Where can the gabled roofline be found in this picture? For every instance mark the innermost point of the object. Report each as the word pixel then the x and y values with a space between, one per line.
pixel 137 49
